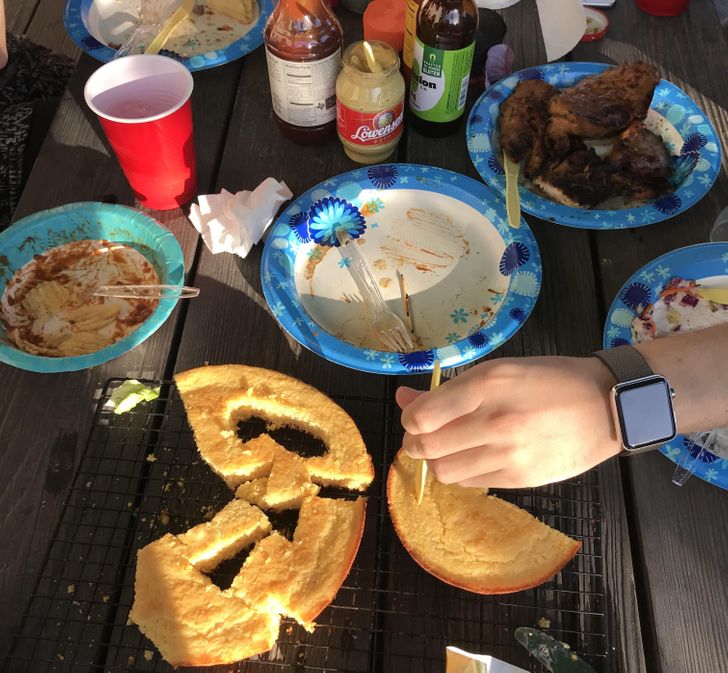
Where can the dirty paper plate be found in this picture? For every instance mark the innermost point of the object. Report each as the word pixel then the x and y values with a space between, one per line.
pixel 472 280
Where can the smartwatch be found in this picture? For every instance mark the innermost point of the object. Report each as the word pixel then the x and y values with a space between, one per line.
pixel 641 401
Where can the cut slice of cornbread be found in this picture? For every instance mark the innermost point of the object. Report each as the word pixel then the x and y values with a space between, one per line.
pixel 472 540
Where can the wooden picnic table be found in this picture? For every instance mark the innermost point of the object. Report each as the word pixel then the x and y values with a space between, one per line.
pixel 665 549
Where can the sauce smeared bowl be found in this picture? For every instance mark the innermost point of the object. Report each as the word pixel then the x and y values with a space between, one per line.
pixel 64 228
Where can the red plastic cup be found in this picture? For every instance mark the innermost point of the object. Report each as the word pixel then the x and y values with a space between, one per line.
pixel 143 104
pixel 663 7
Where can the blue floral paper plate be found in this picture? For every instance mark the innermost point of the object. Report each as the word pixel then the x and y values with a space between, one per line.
pixel 682 124
pixel 472 280
pixel 99 221
pixel 705 260
pixel 94 24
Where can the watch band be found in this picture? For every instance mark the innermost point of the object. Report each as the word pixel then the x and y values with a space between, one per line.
pixel 625 362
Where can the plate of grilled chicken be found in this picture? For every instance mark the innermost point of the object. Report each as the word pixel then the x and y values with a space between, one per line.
pixel 597 146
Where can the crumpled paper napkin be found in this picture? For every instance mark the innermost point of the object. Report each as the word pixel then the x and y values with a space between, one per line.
pixel 236 222
pixel 563 23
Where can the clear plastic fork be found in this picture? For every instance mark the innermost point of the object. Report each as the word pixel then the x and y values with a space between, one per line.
pixel 686 466
pixel 388 326
pixel 153 15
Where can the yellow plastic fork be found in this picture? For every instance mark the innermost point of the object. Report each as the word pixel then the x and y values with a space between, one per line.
pixel 179 15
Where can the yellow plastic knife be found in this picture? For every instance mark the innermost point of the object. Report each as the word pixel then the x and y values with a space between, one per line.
pixel 422 472
pixel 179 15
pixel 513 199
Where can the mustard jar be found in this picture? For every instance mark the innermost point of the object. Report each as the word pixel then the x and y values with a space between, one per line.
pixel 369 101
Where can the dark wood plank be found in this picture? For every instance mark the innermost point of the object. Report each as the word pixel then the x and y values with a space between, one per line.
pixel 681 559
pixel 42 22
pixel 18 14
pixel 45 419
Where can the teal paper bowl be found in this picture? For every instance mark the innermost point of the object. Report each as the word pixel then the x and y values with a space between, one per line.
pixel 89 220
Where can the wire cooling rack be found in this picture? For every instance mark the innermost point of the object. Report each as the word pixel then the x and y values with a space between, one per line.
pixel 141 476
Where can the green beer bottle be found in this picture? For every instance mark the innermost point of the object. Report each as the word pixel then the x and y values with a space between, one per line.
pixel 443 55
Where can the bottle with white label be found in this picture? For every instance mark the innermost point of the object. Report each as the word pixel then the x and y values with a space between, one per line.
pixel 303 51
pixel 443 54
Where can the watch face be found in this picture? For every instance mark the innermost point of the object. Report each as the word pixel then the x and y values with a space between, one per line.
pixel 645 412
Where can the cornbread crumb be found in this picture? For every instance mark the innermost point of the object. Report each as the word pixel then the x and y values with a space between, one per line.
pixel 148 655
pixel 544 623
pixel 71 588
pixel 164 517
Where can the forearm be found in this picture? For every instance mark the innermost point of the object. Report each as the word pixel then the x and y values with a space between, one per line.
pixel 696 365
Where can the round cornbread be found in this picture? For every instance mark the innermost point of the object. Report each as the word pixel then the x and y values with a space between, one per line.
pixel 191 620
pixel 472 540
pixel 217 397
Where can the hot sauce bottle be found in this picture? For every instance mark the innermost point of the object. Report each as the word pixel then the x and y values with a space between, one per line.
pixel 443 54
pixel 303 51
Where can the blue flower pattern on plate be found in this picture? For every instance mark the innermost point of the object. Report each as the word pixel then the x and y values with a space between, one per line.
pixel 495 166
pixel 283 252
pixel 696 169
pixel 382 177
pixel 90 43
pixel 531 73
pixel 478 339
pixel 299 224
pixel 518 314
pixel 668 205
pixel 332 215
pixel 694 261
pixel 635 295
pixel 515 255
pixel 694 142
pixel 683 165
pixel 419 361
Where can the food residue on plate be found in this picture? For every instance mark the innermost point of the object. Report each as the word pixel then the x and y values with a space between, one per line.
pixel 48 307
pixel 212 25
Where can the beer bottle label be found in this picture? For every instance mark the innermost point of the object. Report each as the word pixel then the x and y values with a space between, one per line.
pixel 439 83
pixel 410 27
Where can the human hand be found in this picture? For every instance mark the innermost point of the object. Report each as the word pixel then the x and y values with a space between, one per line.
pixel 513 423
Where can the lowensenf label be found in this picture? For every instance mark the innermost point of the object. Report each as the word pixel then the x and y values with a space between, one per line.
pixel 369 128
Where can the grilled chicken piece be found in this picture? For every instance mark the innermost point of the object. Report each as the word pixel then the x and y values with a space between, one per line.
pixel 523 119
pixel 601 105
pixel 641 152
pixel 580 180
pixel 642 189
